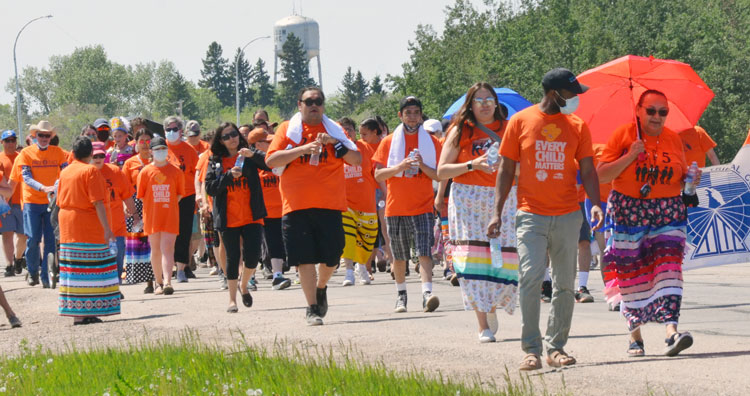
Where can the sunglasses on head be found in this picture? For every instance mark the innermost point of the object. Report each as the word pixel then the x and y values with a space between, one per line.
pixel 43 135
pixel 175 129
pixel 662 112
pixel 98 156
pixel 229 135
pixel 310 101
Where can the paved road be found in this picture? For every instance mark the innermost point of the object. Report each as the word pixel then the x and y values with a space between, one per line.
pixel 716 311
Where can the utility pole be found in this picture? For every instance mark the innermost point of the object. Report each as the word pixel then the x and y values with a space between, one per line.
pixel 179 107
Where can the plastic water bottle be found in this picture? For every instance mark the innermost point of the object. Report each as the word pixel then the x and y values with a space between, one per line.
pixel 496 253
pixel 689 185
pixel 240 161
pixel 315 158
pixel 492 154
pixel 381 204
pixel 113 247
pixel 414 169
pixel 138 226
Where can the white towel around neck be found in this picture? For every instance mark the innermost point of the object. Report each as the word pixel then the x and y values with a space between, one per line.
pixel 397 151
pixel 294 131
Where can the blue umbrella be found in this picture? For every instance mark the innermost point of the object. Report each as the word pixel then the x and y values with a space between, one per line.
pixel 510 98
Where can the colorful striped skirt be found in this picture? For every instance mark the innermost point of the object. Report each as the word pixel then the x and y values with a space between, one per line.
pixel 88 280
pixel 360 233
pixel 483 286
pixel 644 257
pixel 137 251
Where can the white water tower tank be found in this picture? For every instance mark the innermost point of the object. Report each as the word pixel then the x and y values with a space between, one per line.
pixel 306 29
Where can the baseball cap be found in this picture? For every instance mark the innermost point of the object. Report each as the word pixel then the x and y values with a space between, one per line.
pixel 257 123
pixel 561 78
pixel 100 122
pixel 433 126
pixel 158 141
pixel 98 148
pixel 8 134
pixel 192 128
pixel 410 101
pixel 258 135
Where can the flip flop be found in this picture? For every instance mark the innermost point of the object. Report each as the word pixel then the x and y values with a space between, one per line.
pixel 636 349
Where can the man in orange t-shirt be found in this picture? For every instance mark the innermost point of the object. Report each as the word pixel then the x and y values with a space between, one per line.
pixel 312 150
pixel 183 156
pixel 547 141
pixel 698 145
pixel 12 223
pixel 38 166
pixel 408 208
pixel 193 133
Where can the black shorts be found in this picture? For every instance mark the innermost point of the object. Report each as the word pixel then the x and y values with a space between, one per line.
pixel 585 233
pixel 313 236
pixel 182 242
pixel 274 239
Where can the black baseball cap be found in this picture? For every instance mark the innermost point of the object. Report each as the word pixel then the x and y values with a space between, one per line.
pixel 410 101
pixel 561 78
pixel 158 141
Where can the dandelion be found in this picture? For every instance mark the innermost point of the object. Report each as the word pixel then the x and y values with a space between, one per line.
pixel 254 392
pixel 226 387
pixel 33 368
pixel 2 389
pixel 49 361
pixel 150 386
pixel 105 394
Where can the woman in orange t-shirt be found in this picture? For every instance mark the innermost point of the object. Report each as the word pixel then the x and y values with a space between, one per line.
pixel 89 285
pixel 465 158
pixel 238 208
pixel 160 186
pixel 137 249
pixel 646 163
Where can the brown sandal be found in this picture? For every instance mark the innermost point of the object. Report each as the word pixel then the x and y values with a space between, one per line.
pixel 530 362
pixel 559 358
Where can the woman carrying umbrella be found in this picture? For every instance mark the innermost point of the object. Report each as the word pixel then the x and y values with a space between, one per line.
pixel 485 286
pixel 646 164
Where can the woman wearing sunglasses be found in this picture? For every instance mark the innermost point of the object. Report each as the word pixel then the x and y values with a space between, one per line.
pixel 647 212
pixel 238 207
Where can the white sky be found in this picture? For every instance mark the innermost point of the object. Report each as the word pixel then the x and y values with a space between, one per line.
pixel 371 36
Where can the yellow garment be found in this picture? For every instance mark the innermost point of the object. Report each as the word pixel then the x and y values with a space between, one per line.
pixel 360 231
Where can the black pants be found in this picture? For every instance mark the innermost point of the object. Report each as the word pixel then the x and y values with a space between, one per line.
pixel 182 243
pixel 252 237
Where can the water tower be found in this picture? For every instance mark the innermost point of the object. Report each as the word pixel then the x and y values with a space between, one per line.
pixel 306 29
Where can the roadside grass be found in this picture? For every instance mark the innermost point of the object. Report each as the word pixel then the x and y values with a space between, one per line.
pixel 189 367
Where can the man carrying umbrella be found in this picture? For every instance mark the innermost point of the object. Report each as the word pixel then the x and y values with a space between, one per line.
pixel 546 140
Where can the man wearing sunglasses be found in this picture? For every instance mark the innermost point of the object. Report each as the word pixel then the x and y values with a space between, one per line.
pixel 12 223
pixel 312 150
pixel 38 166
pixel 185 157
pixel 103 132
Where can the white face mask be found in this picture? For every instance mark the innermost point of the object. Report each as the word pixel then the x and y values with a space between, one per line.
pixel 173 136
pixel 159 155
pixel 571 105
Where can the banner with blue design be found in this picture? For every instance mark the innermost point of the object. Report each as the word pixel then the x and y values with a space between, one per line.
pixel 719 229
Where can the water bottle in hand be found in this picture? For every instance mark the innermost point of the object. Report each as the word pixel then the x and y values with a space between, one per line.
pixel 496 253
pixel 113 247
pixel 315 158
pixel 690 179
pixel 493 153
pixel 414 168
pixel 240 161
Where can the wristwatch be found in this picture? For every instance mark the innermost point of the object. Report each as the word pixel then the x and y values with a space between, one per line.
pixel 469 166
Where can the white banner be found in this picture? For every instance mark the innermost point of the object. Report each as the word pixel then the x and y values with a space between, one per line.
pixel 719 229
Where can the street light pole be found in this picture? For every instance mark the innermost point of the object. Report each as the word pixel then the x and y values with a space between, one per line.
pixel 237 75
pixel 19 132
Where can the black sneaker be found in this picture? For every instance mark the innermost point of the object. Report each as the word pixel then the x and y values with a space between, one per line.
pixel 9 271
pixel 33 280
pixel 320 296
pixel 583 295
pixel 313 316
pixel 281 283
pixel 430 302
pixel 149 289
pixel 400 302
pixel 547 291
pixel 20 264
pixel 189 273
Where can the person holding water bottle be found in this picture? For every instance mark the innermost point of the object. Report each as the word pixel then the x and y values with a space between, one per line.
pixel 89 285
pixel 647 212
pixel 487 269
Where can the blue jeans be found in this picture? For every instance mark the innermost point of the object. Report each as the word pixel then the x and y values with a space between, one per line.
pixel 36 224
pixel 120 256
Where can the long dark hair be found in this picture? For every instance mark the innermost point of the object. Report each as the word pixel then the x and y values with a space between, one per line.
pixel 218 149
pixel 466 114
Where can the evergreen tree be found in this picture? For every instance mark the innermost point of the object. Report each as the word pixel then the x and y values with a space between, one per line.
pixel 177 97
pixel 361 88
pixel 296 72
pixel 244 72
pixel 348 99
pixel 215 75
pixel 376 86
pixel 261 84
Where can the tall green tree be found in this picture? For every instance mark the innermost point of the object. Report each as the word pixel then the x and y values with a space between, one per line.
pixel 296 72
pixel 376 86
pixel 216 75
pixel 261 84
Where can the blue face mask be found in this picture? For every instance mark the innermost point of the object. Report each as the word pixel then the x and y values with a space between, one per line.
pixel 172 137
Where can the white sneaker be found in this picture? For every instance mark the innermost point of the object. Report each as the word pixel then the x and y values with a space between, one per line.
pixel 486 336
pixel 364 276
pixel 214 271
pixel 492 321
pixel 348 279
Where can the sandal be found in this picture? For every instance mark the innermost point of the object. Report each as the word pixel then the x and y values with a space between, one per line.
pixel 636 349
pixel 677 343
pixel 559 358
pixel 530 362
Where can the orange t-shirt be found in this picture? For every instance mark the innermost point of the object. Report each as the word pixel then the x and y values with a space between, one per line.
pixel 696 143
pixel 159 188
pixel 664 152
pixel 271 194
pixel 304 186
pixel 239 212
pixel 360 184
pixel 45 168
pixel 201 147
pixel 132 167
pixel 406 196
pixel 184 157
pixel 547 147
pixel 201 167
pixel 473 144
pixel 604 188
pixel 118 190
pixel 368 149
pixel 6 167
pixel 80 186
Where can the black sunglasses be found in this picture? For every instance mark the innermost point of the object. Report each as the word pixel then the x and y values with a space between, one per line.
pixel 10 140
pixel 662 112
pixel 229 135
pixel 98 156
pixel 317 101
pixel 172 129
pixel 44 135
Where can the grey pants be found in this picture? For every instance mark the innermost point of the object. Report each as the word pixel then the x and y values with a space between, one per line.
pixel 537 237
